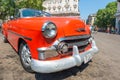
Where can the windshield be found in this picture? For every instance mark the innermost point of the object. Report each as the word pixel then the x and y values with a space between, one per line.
pixel 33 13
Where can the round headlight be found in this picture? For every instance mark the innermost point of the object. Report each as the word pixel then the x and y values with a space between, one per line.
pixel 49 30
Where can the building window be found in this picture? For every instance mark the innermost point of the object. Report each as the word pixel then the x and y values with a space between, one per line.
pixel 75 6
pixel 75 0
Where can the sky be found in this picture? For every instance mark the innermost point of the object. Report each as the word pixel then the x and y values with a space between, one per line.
pixel 91 6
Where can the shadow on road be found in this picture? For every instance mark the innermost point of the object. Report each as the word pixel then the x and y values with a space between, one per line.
pixel 61 75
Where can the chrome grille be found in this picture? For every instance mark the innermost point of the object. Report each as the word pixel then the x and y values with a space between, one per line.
pixel 80 41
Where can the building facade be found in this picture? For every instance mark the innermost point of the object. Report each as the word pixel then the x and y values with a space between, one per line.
pixel 57 7
pixel 91 19
pixel 118 17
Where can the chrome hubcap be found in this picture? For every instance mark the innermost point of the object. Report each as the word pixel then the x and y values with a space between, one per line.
pixel 25 55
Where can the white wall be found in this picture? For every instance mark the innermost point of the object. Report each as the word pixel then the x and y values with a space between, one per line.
pixel 118 18
pixel 62 4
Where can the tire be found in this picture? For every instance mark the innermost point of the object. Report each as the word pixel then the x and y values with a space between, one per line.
pixel 5 39
pixel 25 57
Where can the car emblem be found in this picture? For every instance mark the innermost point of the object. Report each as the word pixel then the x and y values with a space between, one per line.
pixel 80 30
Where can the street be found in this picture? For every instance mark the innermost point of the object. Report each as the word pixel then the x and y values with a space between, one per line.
pixel 104 66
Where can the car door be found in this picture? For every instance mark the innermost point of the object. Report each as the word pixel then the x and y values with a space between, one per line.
pixel 11 32
pixel 13 35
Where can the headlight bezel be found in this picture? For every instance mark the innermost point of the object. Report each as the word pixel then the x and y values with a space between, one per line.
pixel 47 33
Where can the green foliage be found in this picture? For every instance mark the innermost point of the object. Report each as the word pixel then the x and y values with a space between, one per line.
pixel 7 7
pixel 105 17
pixel 36 4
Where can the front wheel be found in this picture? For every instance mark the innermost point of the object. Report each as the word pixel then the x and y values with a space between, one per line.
pixel 25 57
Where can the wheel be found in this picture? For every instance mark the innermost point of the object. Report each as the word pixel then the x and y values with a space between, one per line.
pixel 5 39
pixel 25 57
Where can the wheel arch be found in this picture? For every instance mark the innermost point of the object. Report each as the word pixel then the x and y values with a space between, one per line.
pixel 26 67
pixel 20 40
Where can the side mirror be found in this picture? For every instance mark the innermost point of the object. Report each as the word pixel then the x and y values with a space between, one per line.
pixel 11 17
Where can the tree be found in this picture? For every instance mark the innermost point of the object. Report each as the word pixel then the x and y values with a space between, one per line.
pixel 8 7
pixel 105 17
pixel 36 4
pixel 100 18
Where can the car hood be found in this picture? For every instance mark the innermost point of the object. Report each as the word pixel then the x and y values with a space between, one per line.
pixel 68 26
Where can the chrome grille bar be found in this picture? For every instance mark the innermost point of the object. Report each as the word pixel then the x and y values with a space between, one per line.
pixel 81 41
pixel 75 37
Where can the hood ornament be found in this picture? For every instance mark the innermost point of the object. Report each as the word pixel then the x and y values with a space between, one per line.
pixel 80 29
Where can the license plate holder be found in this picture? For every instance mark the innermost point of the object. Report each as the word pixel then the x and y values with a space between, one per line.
pixel 87 58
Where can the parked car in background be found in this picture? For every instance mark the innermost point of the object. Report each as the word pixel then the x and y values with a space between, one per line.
pixel 49 44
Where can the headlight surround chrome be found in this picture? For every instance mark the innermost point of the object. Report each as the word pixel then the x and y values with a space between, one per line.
pixel 49 30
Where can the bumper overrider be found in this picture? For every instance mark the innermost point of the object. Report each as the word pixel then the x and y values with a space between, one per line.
pixel 64 63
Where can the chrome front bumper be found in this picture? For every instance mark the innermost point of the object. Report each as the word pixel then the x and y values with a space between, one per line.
pixel 65 63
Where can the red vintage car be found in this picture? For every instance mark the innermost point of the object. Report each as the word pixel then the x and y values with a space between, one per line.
pixel 49 44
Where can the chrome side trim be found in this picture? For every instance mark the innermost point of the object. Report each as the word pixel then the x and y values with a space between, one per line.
pixel 27 38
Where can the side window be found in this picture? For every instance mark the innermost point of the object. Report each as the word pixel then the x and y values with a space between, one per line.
pixel 30 13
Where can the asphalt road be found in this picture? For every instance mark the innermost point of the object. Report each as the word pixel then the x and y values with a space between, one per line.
pixel 104 66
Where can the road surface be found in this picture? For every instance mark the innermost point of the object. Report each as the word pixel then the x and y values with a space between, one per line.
pixel 104 66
